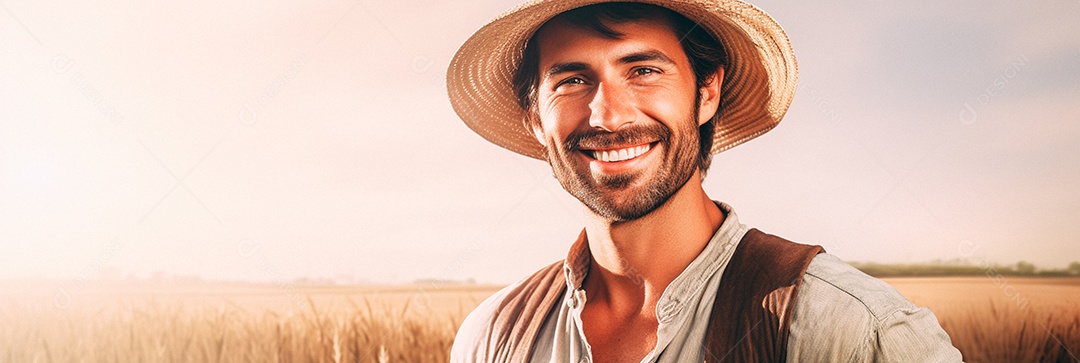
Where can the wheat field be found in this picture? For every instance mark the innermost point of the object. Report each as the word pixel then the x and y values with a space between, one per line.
pixel 124 322
pixel 1003 319
pixel 1018 320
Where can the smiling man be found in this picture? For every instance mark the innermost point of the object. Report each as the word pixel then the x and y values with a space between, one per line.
pixel 628 102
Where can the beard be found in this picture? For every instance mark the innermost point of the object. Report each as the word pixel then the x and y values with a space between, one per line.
pixel 631 195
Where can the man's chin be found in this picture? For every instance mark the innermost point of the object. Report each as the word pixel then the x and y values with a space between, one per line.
pixel 625 212
pixel 622 205
pixel 637 199
pixel 619 183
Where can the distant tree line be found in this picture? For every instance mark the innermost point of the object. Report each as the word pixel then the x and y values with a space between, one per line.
pixel 1022 268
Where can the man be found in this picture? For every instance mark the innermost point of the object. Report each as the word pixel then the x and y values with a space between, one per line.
pixel 627 103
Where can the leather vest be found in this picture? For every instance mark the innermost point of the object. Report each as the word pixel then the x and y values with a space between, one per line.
pixel 750 315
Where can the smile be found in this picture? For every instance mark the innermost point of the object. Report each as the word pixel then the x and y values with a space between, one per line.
pixel 623 154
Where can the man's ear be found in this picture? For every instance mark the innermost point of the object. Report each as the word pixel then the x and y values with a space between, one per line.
pixel 710 96
pixel 533 123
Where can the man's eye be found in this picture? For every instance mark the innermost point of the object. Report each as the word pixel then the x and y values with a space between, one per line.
pixel 645 71
pixel 570 81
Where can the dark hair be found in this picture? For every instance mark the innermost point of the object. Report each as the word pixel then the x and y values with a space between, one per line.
pixel 705 53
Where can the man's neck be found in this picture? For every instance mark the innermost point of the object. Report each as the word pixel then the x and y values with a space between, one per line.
pixel 634 261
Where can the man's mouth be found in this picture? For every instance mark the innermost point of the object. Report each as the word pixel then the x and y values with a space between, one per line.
pixel 622 154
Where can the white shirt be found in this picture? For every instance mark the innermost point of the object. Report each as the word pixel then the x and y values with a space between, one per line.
pixel 841 314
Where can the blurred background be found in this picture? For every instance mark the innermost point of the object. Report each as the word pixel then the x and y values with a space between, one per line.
pixel 279 141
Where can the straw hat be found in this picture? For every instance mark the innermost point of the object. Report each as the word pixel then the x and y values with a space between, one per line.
pixel 759 79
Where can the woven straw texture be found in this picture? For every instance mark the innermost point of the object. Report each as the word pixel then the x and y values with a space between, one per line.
pixel 759 80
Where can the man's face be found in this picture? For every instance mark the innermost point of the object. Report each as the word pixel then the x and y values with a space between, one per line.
pixel 618 116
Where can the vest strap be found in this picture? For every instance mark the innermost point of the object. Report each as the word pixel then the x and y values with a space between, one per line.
pixel 521 315
pixel 749 320
pixel 756 298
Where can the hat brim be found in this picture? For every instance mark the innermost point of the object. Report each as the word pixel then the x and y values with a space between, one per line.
pixel 760 77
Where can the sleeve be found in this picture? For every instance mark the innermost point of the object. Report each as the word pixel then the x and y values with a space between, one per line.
pixel 470 342
pixel 914 335
pixel 844 315
pixel 473 336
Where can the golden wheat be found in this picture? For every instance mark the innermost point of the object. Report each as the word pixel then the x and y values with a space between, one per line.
pixel 414 324
pixel 1027 320
pixel 994 319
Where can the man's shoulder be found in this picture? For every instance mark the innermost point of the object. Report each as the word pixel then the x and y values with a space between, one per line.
pixel 472 336
pixel 477 330
pixel 830 280
pixel 834 316
pixel 843 314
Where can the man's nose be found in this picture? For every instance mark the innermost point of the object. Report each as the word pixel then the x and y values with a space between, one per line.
pixel 611 107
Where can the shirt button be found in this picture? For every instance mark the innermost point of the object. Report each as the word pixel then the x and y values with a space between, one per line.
pixel 575 300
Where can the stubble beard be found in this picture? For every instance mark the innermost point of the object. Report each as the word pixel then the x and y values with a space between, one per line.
pixel 599 193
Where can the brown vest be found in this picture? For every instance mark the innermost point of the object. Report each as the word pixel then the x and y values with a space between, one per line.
pixel 749 320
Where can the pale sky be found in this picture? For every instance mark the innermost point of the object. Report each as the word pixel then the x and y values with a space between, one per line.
pixel 266 141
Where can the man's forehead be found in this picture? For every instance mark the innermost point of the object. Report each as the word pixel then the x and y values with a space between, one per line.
pixel 633 40
pixel 607 28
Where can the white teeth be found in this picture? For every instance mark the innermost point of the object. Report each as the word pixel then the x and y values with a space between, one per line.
pixel 620 154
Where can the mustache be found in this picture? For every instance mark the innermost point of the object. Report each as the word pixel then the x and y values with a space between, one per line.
pixel 593 139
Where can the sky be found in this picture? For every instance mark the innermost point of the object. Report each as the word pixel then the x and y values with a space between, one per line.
pixel 276 140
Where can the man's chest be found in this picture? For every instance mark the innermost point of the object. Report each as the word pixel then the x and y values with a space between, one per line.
pixel 618 339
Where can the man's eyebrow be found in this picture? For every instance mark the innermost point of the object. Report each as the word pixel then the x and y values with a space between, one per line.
pixel 649 55
pixel 558 68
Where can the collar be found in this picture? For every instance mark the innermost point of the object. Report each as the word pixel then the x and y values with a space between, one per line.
pixel 709 262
